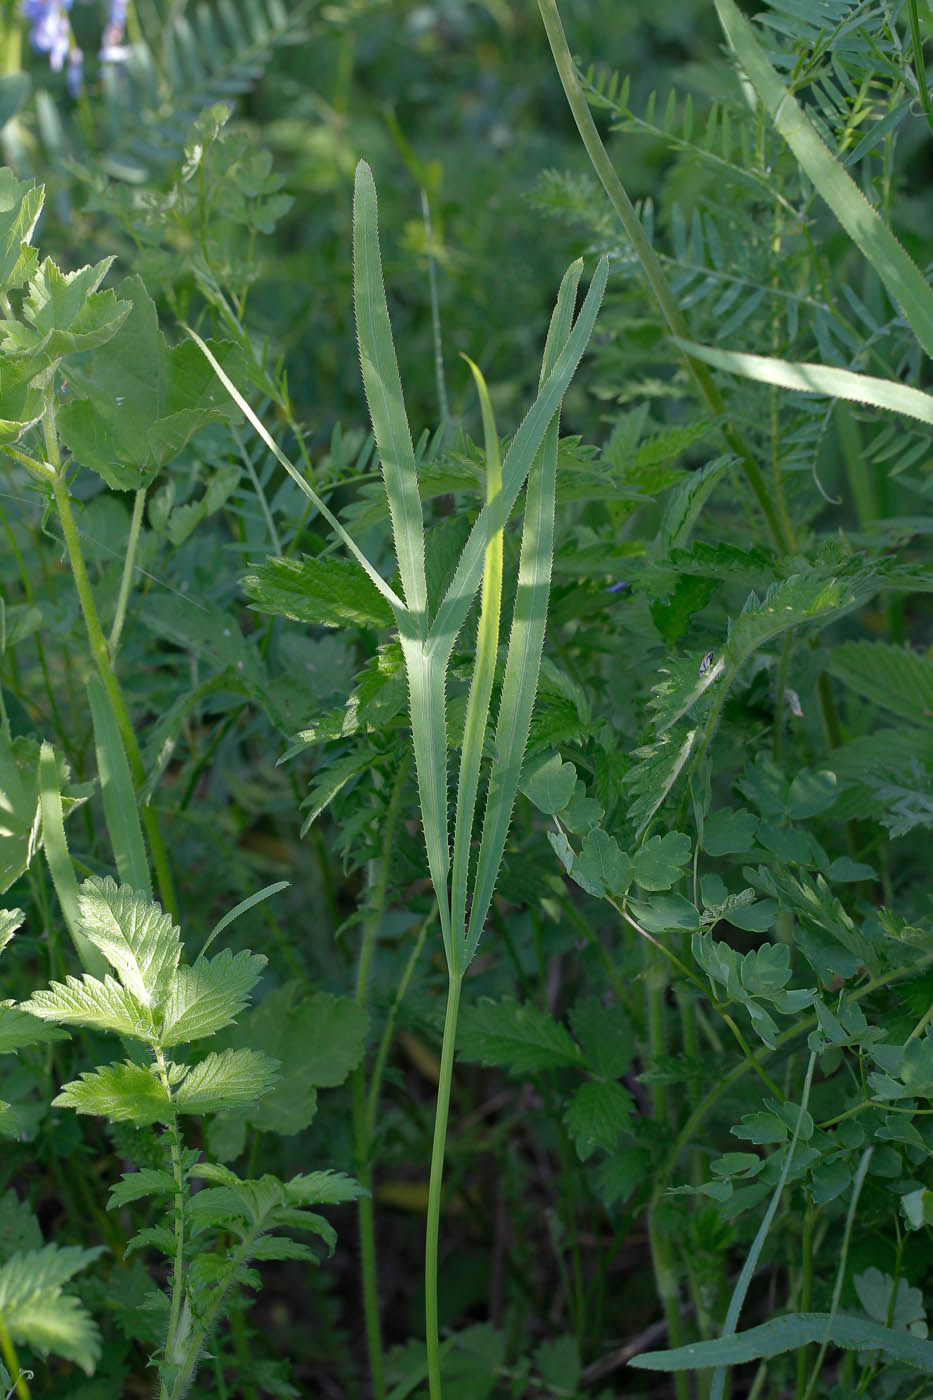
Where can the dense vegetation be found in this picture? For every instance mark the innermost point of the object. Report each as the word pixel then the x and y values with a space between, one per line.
pixel 466 679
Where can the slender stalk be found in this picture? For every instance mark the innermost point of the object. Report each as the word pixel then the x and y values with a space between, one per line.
pixel 126 578
pixel 652 269
pixel 12 1364
pixel 434 1187
pixel 101 655
pixel 178 1267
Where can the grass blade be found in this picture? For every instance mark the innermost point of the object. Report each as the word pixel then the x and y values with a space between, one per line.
pixel 897 270
pixel 889 394
pixel 116 785
pixel 456 603
pixel 60 867
pixel 384 395
pixel 426 689
pixel 484 669
pixel 526 638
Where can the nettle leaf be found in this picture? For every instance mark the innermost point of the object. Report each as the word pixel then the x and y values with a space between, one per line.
pixel 517 1036
pixel 606 1036
pixel 549 783
pixel 136 937
pixel 64 312
pixel 229 1080
pixel 137 401
pixel 208 996
pixel 122 1092
pixel 597 1113
pixel 38 1314
pixel 102 1006
pixel 330 592
pixel 660 860
pixel 601 868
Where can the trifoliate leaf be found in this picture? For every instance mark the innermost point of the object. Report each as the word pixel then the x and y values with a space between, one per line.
pixel 330 592
pixel 102 1006
pixel 549 783
pixel 208 996
pixel 517 1036
pixel 122 1092
pixel 659 862
pixel 135 936
pixel 729 830
pixel 230 1080
pixel 601 868
pixel 598 1112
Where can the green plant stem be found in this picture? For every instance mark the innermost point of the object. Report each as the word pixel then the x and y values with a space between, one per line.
pixel 178 1267
pixel 805 1301
pixel 129 563
pixel 101 655
pixel 362 1119
pixel 652 269
pixel 12 1364
pixel 434 1187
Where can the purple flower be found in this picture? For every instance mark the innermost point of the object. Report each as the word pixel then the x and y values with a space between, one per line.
pixel 112 49
pixel 51 30
pixel 75 70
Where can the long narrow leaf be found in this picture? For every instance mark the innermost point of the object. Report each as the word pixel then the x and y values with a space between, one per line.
pixel 384 395
pixel 456 603
pixel 819 379
pixel 526 638
pixel 897 270
pixel 484 669
pixel 426 688
pixel 786 1334
pixel 391 597
pixel 116 784
pixel 55 845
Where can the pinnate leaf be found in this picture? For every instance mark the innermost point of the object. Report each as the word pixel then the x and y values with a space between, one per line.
pixel 517 1036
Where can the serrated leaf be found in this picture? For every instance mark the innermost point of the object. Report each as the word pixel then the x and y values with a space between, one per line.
pixel 64 312
pixel 323 1188
pixel 549 783
pixel 606 1036
pixel 135 936
pixel 209 995
pixel 122 1092
pixel 20 207
pixel 99 1005
pixel 327 591
pixel 659 862
pixel 134 1186
pixel 597 1113
pixel 517 1036
pixel 891 676
pixel 18 1029
pixel 226 1081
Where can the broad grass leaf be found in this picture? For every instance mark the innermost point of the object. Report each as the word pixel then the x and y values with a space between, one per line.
pixel 122 1092
pixel 596 1114
pixel 330 592
pixel 517 1036
pixel 135 935
pixel 208 995
pixel 230 1080
pixel 788 1333
pixel 118 791
pixel 889 394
